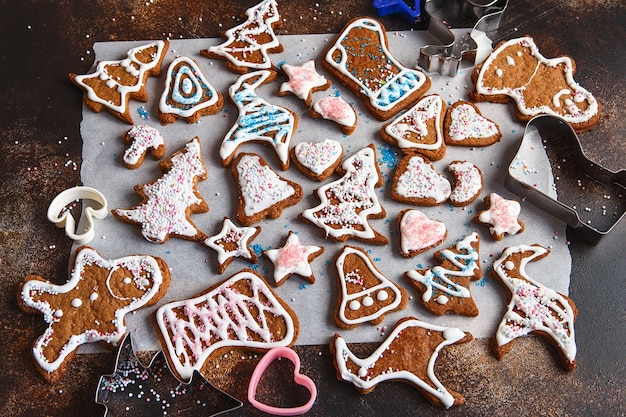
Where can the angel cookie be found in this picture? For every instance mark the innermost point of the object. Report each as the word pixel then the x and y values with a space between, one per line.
pixel 361 60
pixel 114 83
pixel 515 70
pixel 91 305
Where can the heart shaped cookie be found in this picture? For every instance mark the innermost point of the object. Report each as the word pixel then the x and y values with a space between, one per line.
pixel 298 378
pixel 317 160
pixel 418 233
pixel 464 125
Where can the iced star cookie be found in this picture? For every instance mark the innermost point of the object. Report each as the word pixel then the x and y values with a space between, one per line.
pixel 515 70
pixel 248 44
pixel 532 307
pixel 262 192
pixel 187 95
pixel 365 295
pixel 348 203
pixel 258 120
pixel 91 305
pixel 337 110
pixel 420 129
pixel 293 258
pixel 468 184
pixel 500 215
pixel 415 181
pixel 408 354
pixel 140 140
pixel 241 311
pixel 446 288
pixel 418 233
pixel 464 125
pixel 317 160
pixel 303 81
pixel 361 60
pixel 233 242
pixel 169 201
pixel 115 83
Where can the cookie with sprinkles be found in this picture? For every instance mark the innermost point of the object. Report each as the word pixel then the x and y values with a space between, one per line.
pixel 501 216
pixel 468 184
pixel 188 95
pixel 418 233
pixel 464 125
pixel 336 109
pixel 169 201
pixel 233 242
pixel 420 129
pixel 317 160
pixel 141 140
pixel 360 59
pixel 262 192
pixel 416 181
pixel 293 258
pixel 303 81
pixel 91 306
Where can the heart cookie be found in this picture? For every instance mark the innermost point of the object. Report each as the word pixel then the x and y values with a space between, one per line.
pixel 418 233
pixel 317 160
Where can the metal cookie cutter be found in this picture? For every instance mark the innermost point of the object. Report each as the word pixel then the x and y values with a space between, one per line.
pixel 591 199
pixel 445 56
pixel 59 214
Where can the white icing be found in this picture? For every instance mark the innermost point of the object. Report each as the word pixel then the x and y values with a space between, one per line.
pixel 143 138
pixel 303 79
pixel 420 181
pixel 318 157
pixel 232 234
pixel 292 258
pixel 418 232
pixel 413 122
pixel 335 109
pixel 469 181
pixel 501 215
pixel 467 123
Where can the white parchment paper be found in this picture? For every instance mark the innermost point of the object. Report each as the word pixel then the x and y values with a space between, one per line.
pixel 194 266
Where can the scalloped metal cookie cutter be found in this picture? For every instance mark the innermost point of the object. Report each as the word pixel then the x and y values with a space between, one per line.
pixel 538 133
pixel 445 57
pixel 59 214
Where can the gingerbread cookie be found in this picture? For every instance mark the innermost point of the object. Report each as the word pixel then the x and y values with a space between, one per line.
pixel 337 110
pixel 361 60
pixel 140 140
pixel 366 295
pixel 420 129
pixel 500 215
pixel 464 125
pixel 348 203
pixel 468 184
pixel 91 305
pixel 303 81
pixel 169 201
pixel 248 44
pixel 446 288
pixel 408 354
pixel 241 311
pixel 415 181
pixel 233 242
pixel 114 83
pixel 262 192
pixel 515 70
pixel 258 121
pixel 418 233
pixel 532 307
pixel 293 258
pixel 187 95
pixel 317 160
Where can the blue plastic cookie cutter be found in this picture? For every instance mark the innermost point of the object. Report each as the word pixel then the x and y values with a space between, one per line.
pixel 411 14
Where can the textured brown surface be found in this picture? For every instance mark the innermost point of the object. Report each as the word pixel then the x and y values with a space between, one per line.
pixel 40 148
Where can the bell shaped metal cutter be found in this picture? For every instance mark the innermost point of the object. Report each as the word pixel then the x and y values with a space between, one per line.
pixel 591 198
pixel 446 55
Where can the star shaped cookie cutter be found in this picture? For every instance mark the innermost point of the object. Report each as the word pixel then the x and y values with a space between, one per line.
pixel 60 214
pixel 446 55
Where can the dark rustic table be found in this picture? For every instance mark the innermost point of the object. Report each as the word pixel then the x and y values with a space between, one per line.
pixel 40 155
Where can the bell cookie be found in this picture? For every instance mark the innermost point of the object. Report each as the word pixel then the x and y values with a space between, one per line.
pixel 516 71
pixel 360 59
pixel 91 305
pixel 418 233
pixel 464 125
pixel 420 129
pixel 468 184
pixel 233 242
pixel 337 110
pixel 115 83
pixel 416 181
pixel 303 81
pixel 317 160
pixel 141 139
pixel 501 215
pixel 293 258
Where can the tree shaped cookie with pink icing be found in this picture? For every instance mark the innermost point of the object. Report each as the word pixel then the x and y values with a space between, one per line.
pixel 515 70
pixel 500 215
pixel 293 258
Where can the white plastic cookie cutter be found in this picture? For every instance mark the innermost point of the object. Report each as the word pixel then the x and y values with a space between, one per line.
pixel 59 213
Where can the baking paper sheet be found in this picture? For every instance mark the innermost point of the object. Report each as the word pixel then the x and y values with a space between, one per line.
pixel 194 266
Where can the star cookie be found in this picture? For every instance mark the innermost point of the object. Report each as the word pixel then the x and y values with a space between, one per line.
pixel 303 81
pixel 233 242
pixel 293 258
pixel 501 216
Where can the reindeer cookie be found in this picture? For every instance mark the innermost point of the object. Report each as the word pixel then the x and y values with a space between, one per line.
pixel 515 70
pixel 91 306
pixel 407 355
